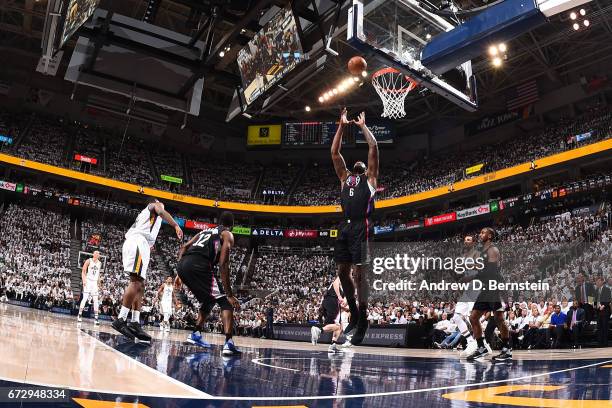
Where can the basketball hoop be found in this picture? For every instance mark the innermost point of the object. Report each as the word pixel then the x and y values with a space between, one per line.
pixel 392 86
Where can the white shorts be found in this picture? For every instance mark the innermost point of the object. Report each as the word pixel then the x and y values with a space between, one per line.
pixel 166 307
pixel 464 308
pixel 91 288
pixel 136 254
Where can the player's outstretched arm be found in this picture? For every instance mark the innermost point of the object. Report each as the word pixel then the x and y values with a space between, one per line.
pixel 372 150
pixel 337 159
pixel 186 246
pixel 160 291
pixel 165 215
pixel 224 266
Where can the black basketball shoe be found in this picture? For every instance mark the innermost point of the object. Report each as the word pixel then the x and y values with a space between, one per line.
pixel 121 326
pixel 479 353
pixel 137 331
pixel 505 355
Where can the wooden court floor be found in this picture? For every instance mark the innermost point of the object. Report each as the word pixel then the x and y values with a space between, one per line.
pixel 98 368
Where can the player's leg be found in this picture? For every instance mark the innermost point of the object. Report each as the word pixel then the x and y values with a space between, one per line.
pixel 343 258
pixel 475 315
pixel 82 306
pixel 96 304
pixel 227 317
pixel 195 273
pixel 359 253
pixel 506 353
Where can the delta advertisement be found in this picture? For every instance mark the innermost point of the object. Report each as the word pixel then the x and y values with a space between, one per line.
pixel 6 139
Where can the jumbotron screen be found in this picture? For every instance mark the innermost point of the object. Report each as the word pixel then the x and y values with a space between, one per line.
pixel 77 13
pixel 270 55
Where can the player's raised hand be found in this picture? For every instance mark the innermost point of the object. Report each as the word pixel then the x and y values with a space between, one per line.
pixel 343 119
pixel 361 119
pixel 179 232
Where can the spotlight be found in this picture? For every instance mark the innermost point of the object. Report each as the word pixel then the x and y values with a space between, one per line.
pixel 428 36
pixel 341 88
pixel 502 47
pixel 335 91
pixel 325 97
pixel 492 50
pixel 307 108
pixel 497 62
pixel 356 79
pixel 364 74
pixel 321 99
pixel 582 12
pixel 586 23
pixel 573 15
pixel 222 54
pixel 576 26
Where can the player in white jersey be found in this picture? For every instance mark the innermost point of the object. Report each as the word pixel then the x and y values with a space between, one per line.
pixel 136 253
pixel 90 275
pixel 167 297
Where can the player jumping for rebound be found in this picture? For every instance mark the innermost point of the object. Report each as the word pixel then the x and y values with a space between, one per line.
pixel 166 298
pixel 90 275
pixel 489 301
pixel 358 188
pixel 196 269
pixel 136 253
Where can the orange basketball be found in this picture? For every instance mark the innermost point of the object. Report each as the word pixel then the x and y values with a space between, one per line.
pixel 357 65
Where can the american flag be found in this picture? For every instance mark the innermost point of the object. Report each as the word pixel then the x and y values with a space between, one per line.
pixel 522 95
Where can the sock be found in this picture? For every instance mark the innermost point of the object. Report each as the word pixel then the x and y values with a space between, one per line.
pixel 123 314
pixel 333 341
pixel 96 317
pixel 480 342
pixel 136 316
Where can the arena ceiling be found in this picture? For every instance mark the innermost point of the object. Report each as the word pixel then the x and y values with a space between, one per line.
pixel 554 53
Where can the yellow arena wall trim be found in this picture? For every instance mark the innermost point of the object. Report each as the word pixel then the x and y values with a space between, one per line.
pixel 327 209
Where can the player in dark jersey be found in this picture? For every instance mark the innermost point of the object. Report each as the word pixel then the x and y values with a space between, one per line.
pixel 358 188
pixel 197 269
pixel 489 301
pixel 331 308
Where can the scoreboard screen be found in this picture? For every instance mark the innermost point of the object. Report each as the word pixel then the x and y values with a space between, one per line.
pixel 300 134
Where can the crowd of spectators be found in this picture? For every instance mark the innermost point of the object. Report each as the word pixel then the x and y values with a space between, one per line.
pixel 35 257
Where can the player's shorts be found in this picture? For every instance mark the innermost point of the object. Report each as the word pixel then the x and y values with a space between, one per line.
pixel 352 242
pixel 331 310
pixel 198 275
pixel 464 308
pixel 166 307
pixel 136 254
pixel 91 288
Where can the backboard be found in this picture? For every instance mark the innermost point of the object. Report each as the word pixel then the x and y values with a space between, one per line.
pixel 394 32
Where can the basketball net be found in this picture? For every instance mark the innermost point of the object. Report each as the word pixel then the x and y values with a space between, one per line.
pixel 392 86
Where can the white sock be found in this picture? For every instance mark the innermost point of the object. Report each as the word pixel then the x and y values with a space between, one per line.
pixel 123 314
pixel 136 316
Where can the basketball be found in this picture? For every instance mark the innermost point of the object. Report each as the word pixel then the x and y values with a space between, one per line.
pixel 357 65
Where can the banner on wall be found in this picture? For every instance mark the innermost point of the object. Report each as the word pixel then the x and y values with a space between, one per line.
pixel 474 169
pixel 6 139
pixel 239 230
pixel 295 233
pixel 490 122
pixel 261 135
pixel 171 179
pixel 266 232
pixel 85 159
pixel 473 211
pixel 409 225
pixel 383 229
pixel 5 185
pixel 198 225
pixel 440 219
